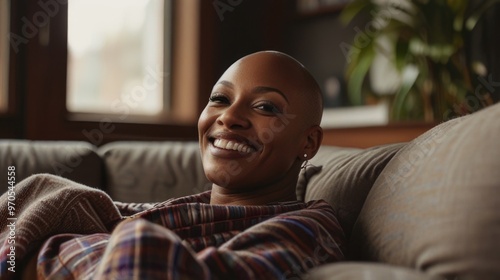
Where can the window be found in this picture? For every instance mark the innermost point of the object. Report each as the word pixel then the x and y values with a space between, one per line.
pixel 118 57
pixel 4 54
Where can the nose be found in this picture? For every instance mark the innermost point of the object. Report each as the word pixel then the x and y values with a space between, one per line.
pixel 234 117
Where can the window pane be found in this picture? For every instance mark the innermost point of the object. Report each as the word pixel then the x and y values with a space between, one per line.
pixel 116 56
pixel 4 54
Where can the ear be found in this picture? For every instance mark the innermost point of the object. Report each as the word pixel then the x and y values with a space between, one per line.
pixel 314 136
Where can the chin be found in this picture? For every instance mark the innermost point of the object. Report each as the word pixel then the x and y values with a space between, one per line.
pixel 222 177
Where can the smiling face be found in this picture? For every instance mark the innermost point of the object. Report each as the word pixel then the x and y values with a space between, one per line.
pixel 258 124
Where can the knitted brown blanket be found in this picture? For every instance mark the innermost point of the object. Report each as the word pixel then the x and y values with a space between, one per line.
pixel 42 206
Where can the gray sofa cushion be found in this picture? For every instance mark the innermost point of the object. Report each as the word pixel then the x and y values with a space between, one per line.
pixel 366 271
pixel 77 161
pixel 153 171
pixel 345 178
pixel 435 206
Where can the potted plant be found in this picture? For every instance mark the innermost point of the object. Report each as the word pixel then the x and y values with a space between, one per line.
pixel 413 53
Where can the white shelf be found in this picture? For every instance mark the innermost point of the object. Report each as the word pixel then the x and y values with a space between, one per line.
pixel 357 116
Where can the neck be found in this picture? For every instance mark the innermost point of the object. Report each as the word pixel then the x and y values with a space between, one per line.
pixel 262 196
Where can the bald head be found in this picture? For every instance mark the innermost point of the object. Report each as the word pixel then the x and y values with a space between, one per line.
pixel 284 69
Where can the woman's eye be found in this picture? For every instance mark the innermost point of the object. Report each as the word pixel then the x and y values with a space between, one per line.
pixel 268 108
pixel 218 98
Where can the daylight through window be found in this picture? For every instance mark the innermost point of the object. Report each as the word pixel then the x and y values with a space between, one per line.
pixel 117 56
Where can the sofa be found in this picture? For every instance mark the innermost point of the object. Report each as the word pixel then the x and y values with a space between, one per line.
pixel 426 209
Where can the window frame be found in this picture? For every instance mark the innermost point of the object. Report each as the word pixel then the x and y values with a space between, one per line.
pixel 5 52
pixel 12 120
pixel 38 73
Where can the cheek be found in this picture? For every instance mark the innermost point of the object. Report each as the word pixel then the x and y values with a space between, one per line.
pixel 269 130
pixel 204 122
pixel 203 125
pixel 280 134
pixel 281 139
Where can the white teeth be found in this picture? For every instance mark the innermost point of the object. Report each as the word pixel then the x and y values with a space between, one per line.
pixel 231 145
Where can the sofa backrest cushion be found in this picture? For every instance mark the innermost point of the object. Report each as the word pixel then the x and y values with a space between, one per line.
pixel 435 205
pixel 153 171
pixel 77 161
pixel 345 178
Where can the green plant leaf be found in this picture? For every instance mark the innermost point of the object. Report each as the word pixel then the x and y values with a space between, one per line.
pixel 354 8
pixel 357 74
pixel 402 15
pixel 459 8
pixel 409 77
pixel 472 20
pixel 401 52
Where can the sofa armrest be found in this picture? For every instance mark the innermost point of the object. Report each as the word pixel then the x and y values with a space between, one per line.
pixel 366 271
pixel 435 205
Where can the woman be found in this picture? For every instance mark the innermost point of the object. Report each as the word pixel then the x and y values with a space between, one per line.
pixel 260 125
pixel 268 104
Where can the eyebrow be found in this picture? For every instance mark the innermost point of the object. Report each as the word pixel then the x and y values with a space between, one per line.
pixel 259 89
